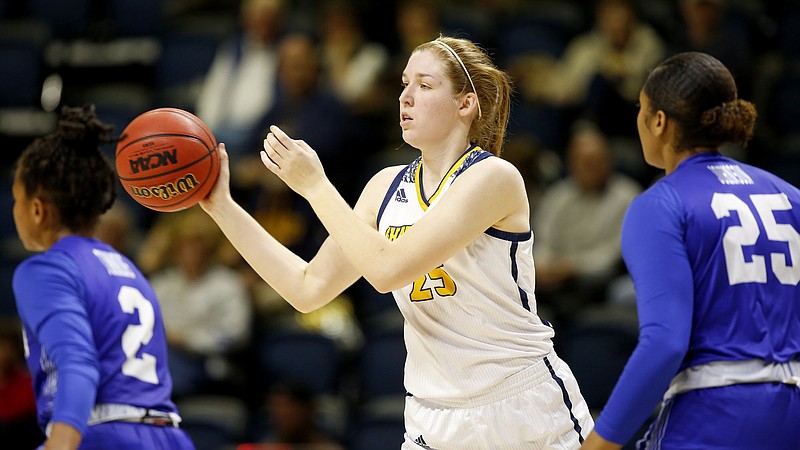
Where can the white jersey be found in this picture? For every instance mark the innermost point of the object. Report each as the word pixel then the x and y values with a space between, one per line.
pixel 471 322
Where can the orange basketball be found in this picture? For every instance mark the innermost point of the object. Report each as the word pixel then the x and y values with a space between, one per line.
pixel 167 159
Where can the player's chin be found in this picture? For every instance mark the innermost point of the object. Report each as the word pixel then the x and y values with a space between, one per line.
pixel 410 138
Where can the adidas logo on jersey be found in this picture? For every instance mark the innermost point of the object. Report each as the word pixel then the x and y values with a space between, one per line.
pixel 401 196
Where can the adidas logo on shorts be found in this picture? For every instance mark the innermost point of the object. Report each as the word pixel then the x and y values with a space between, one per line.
pixel 421 442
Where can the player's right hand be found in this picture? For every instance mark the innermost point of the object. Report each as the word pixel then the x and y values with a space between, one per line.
pixel 221 191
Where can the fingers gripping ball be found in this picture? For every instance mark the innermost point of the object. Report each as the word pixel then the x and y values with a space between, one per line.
pixel 167 159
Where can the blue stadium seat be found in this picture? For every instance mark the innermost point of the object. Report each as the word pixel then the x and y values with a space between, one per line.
pixel 783 102
pixel 185 59
pixel 310 359
pixel 137 18
pixel 381 366
pixel 597 350
pixel 21 72
pixel 65 19
pixel 385 434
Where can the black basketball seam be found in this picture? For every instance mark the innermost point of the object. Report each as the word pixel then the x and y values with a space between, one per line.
pixel 161 135
pixel 194 119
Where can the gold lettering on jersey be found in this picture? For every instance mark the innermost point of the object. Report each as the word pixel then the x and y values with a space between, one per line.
pixel 437 280
pixel 393 233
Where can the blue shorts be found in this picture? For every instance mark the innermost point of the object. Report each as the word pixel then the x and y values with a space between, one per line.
pixel 134 436
pixel 737 417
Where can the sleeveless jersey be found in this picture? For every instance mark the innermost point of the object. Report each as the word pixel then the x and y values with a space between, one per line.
pixel 471 322
pixel 113 319
pixel 741 229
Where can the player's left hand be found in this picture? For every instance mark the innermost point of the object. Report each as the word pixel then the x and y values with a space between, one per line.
pixel 293 161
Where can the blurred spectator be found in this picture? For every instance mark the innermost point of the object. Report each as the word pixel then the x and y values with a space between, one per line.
pixel 18 427
pixel 711 26
pixel 601 71
pixel 352 63
pixel 539 166
pixel 240 85
pixel 305 108
pixel 303 105
pixel 418 21
pixel 117 228
pixel 414 22
pixel 206 307
pixel 577 226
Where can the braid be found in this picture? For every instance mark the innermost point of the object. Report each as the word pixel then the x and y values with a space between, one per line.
pixel 67 168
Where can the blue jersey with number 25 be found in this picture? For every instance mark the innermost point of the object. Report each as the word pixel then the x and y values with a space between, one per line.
pixel 714 252
pixel 740 229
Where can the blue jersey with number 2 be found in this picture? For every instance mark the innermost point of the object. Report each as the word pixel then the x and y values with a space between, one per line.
pixel 93 332
pixel 714 252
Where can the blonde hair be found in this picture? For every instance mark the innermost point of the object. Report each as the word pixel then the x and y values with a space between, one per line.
pixel 469 69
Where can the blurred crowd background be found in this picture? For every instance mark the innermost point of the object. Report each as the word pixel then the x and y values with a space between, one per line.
pixel 248 369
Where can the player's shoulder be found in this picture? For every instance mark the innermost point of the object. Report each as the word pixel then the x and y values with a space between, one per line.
pixel 45 262
pixel 45 270
pixel 376 188
pixel 489 166
pixel 386 176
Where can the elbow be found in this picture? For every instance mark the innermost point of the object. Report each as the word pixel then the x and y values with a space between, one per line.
pixel 382 286
pixel 305 309
pixel 307 305
pixel 670 345
pixel 385 281
pixel 309 301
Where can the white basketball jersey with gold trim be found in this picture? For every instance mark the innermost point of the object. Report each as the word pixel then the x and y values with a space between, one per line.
pixel 471 322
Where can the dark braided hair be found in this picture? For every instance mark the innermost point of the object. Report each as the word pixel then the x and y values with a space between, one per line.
pixel 67 168
pixel 699 93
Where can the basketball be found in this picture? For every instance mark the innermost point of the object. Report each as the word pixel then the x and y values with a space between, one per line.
pixel 167 159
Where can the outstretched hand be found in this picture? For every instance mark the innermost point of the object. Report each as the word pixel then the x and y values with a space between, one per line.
pixel 221 189
pixel 293 161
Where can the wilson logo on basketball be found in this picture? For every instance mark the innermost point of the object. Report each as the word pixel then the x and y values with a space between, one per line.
pixel 168 190
pixel 154 160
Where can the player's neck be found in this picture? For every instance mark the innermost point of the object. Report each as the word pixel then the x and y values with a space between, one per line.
pixel 437 162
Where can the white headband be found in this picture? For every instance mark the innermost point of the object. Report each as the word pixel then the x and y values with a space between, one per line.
pixel 455 55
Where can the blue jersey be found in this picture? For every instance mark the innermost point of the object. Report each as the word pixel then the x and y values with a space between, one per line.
pixel 740 227
pixel 714 252
pixel 93 332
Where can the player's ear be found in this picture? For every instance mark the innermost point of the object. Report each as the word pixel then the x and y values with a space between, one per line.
pixel 41 211
pixel 469 104
pixel 659 123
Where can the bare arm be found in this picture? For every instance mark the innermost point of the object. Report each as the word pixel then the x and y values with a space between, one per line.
pixel 305 285
pixel 479 199
pixel 63 437
pixel 595 442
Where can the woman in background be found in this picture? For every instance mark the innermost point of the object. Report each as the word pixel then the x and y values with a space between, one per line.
pixel 94 338
pixel 714 252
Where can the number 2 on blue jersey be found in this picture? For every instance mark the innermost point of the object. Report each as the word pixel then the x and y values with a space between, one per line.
pixel 136 335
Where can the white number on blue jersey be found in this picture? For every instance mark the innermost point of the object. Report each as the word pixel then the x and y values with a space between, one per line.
pixel 746 234
pixel 131 300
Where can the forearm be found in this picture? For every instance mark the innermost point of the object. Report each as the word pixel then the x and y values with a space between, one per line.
pixel 63 437
pixel 274 263
pixel 596 442
pixel 366 249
